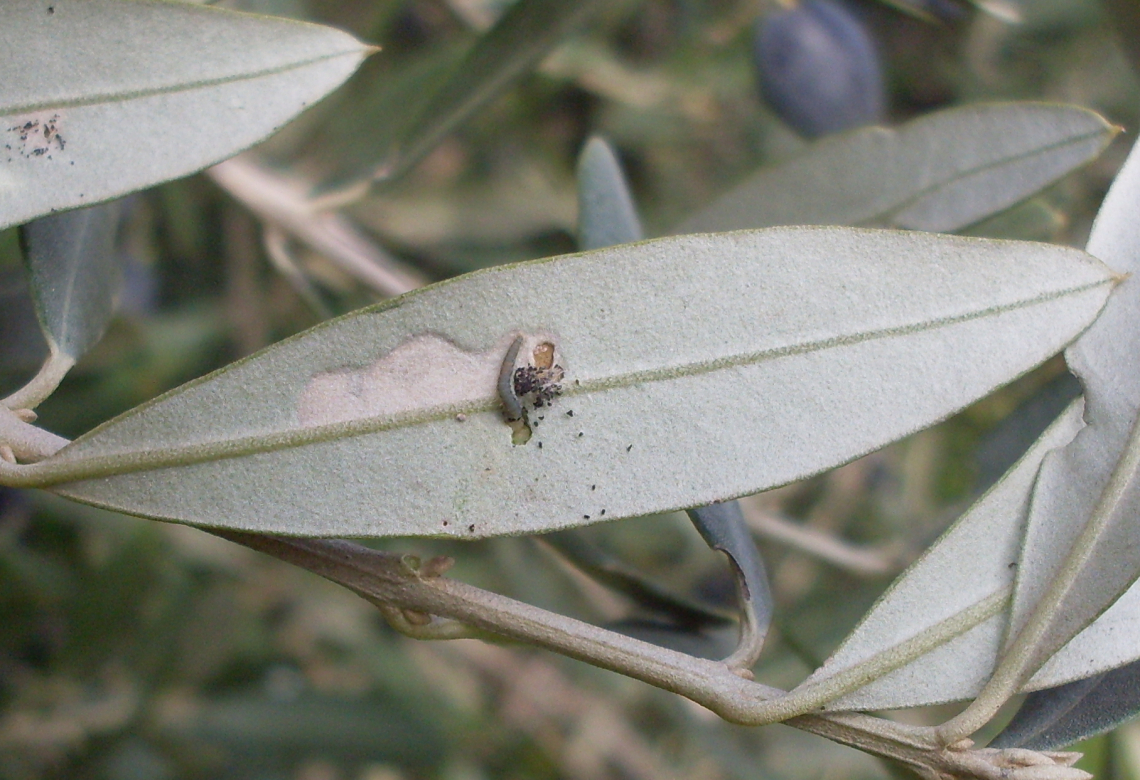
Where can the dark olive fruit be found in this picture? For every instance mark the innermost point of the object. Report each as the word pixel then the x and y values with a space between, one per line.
pixel 818 67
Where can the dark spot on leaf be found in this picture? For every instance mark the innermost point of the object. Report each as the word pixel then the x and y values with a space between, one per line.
pixel 471 528
pixel 37 137
pixel 539 385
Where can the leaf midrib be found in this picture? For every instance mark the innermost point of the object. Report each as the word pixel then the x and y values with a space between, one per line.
pixel 886 213
pixel 111 97
pixel 55 472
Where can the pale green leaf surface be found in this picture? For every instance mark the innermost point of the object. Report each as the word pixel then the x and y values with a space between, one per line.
pixel 971 563
pixel 75 270
pixel 606 213
pixel 102 97
pixel 1079 502
pixel 1064 496
pixel 940 172
pixel 1109 642
pixel 607 216
pixel 1060 716
pixel 833 342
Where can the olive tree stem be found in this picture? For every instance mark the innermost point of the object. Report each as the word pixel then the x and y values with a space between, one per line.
pixel 402 582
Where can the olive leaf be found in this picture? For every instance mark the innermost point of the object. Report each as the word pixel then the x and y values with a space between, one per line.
pixel 934 635
pixel 76 271
pixel 1056 717
pixel 606 212
pixel 1077 552
pixel 680 612
pixel 723 528
pixel 607 216
pixel 940 172
pixel 1082 544
pixel 102 97
pixel 1003 446
pixel 526 32
pixel 357 125
pixel 387 421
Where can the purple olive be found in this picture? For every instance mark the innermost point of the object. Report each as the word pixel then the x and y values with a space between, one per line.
pixel 818 68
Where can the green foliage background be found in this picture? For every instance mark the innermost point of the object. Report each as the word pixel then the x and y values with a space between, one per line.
pixel 131 649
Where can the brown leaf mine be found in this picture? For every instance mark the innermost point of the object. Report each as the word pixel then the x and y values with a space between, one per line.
pixel 430 372
pixel 424 372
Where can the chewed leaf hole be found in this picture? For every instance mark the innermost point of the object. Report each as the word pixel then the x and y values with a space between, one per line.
pixel 520 432
pixel 543 355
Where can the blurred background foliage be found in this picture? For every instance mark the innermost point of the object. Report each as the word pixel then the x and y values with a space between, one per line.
pixel 142 651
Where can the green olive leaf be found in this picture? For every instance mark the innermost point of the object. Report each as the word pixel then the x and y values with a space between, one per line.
pixel 1055 717
pixel 940 172
pixel 606 212
pixel 603 567
pixel 607 216
pixel 1073 599
pixel 522 36
pixel 1082 543
pixel 76 271
pixel 723 528
pixel 935 634
pixel 102 97
pixel 775 353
